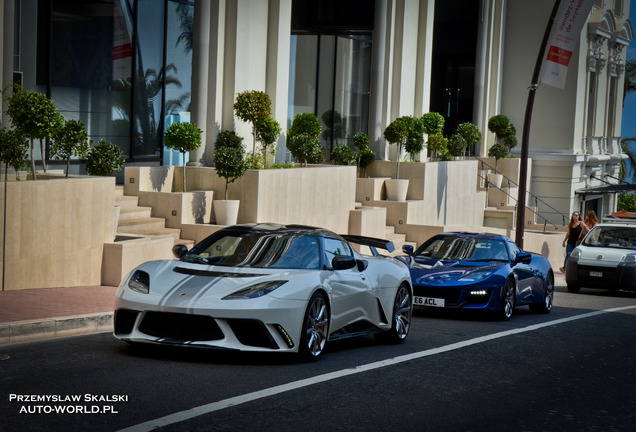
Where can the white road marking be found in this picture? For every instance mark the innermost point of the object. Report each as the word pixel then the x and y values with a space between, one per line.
pixel 260 394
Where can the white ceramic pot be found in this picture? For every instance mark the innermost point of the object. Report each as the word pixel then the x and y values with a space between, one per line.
pixel 495 179
pixel 226 211
pixel 396 189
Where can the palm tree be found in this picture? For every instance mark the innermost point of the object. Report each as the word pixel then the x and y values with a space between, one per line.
pixel 631 156
pixel 630 78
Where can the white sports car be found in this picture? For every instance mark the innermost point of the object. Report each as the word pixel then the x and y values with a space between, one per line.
pixel 268 288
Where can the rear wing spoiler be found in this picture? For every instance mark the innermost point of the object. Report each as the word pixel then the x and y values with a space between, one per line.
pixel 371 242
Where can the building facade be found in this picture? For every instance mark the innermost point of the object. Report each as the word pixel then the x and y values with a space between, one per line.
pixel 127 68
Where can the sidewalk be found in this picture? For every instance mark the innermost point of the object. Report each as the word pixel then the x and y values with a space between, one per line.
pixel 36 314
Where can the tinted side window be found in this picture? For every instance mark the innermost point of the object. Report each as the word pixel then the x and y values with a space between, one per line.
pixel 334 248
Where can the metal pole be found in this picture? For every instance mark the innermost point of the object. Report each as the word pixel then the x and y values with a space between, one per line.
pixel 523 170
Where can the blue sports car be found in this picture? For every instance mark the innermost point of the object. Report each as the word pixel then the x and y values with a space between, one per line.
pixel 487 272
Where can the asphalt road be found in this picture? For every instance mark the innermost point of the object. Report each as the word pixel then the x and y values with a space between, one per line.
pixel 570 370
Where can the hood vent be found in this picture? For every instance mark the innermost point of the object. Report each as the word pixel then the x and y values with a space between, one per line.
pixel 206 273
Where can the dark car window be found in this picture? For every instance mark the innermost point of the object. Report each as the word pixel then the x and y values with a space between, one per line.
pixel 464 248
pixel 258 249
pixel 611 237
pixel 334 248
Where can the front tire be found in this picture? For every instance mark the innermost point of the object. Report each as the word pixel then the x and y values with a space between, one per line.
pixel 315 328
pixel 402 312
pixel 548 298
pixel 508 296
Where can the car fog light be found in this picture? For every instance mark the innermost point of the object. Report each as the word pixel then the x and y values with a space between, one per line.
pixel 478 293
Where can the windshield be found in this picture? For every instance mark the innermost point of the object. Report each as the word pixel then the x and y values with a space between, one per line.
pixel 611 237
pixel 258 249
pixel 463 249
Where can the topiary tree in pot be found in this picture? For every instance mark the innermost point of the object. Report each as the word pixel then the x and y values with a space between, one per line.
pixel 183 137
pixel 36 116
pixel 267 132
pixel 68 141
pixel 505 137
pixel 415 140
pixel 13 151
pixel 252 106
pixel 397 132
pixel 230 164
pixel 303 139
pixel 104 159
pixel 365 155
pixel 470 135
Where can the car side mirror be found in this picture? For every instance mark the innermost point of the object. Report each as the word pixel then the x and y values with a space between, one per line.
pixel 523 257
pixel 179 251
pixel 408 249
pixel 343 262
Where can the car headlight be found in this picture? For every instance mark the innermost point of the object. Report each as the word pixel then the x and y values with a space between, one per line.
pixel 476 276
pixel 576 253
pixel 255 291
pixel 629 258
pixel 140 282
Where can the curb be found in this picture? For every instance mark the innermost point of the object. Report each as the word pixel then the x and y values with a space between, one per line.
pixel 49 328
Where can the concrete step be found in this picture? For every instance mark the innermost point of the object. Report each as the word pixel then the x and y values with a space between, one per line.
pixel 141 225
pixel 127 213
pixel 126 201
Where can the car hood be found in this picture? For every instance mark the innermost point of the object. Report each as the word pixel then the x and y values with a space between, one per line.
pixel 603 255
pixel 440 272
pixel 170 278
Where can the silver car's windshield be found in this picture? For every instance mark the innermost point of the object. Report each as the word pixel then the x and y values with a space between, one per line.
pixel 464 249
pixel 258 249
pixel 611 237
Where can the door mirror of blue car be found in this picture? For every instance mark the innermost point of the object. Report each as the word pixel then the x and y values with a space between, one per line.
pixel 408 249
pixel 523 257
pixel 343 262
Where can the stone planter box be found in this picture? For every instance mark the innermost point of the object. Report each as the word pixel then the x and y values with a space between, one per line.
pixel 55 231
pixel 320 195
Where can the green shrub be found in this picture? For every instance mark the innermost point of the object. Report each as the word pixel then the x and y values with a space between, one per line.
pixel 343 155
pixel 70 140
pixel 104 159
pixel 229 157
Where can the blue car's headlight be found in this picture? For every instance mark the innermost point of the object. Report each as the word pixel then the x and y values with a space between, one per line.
pixel 255 291
pixel 629 258
pixel 140 282
pixel 476 276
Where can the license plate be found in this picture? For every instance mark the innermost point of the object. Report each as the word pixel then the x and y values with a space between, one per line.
pixel 596 274
pixel 428 301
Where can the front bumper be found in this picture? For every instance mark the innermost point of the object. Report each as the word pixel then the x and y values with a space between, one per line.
pixel 590 274
pixel 463 297
pixel 275 329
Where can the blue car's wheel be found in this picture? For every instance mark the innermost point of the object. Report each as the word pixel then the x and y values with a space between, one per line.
pixel 508 299
pixel 315 328
pixel 402 311
pixel 548 298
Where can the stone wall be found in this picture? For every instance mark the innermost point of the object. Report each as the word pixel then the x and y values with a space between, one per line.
pixel 54 231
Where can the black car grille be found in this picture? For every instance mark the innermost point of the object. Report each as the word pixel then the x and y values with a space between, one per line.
pixel 451 296
pixel 252 333
pixel 125 321
pixel 180 327
pixel 608 278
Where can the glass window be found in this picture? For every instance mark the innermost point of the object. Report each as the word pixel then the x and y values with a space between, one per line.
pixel 259 250
pixel 89 51
pixel 330 76
pixel 463 248
pixel 334 248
